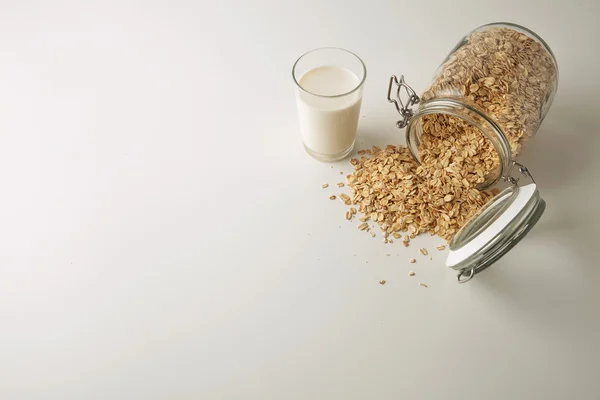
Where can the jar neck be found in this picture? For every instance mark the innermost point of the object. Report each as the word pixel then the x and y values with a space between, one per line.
pixel 459 109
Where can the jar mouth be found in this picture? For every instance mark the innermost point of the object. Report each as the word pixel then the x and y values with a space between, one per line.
pixel 472 116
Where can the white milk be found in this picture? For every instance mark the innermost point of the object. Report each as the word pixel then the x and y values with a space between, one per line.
pixel 328 124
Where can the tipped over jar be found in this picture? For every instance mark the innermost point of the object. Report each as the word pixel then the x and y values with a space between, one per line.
pixel 488 97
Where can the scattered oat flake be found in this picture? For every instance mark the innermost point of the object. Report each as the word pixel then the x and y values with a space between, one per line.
pixel 422 284
pixel 396 235
pixel 411 273
pixel 405 244
pixel 412 261
pixel 406 239
pixel 353 211
pixel 325 185
pixel 372 233
pixel 423 251
pixel 348 215
pixel 340 184
pixel 332 197
pixel 441 247
pixel 382 282
pixel 363 226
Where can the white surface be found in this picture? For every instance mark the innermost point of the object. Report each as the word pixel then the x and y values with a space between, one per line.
pixel 164 235
pixel 475 245
pixel 328 125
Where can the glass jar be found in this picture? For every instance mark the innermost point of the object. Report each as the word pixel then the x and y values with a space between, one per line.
pixel 487 99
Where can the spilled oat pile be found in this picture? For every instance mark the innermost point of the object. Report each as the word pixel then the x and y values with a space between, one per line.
pixel 391 189
pixel 499 71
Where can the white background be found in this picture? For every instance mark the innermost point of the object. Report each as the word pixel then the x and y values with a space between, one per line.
pixel 163 235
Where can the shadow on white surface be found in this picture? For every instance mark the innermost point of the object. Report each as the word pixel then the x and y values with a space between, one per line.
pixel 546 278
pixel 563 151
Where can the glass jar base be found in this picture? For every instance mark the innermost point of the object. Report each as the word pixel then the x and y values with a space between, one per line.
pixel 330 157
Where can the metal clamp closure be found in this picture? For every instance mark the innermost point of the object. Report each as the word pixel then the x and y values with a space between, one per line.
pixel 403 109
pixel 522 169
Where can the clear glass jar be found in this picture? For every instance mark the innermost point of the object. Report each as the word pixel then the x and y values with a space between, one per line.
pixel 487 99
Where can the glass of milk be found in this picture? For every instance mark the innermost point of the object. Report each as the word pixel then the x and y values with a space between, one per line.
pixel 329 87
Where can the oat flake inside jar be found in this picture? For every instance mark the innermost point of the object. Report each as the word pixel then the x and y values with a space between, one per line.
pixel 486 100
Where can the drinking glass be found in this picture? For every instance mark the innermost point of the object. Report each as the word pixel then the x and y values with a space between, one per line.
pixel 329 86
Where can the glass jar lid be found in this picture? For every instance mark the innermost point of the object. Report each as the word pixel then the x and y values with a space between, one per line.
pixel 495 229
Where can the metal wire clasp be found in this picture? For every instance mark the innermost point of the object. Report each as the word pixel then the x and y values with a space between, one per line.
pixel 403 109
pixel 522 169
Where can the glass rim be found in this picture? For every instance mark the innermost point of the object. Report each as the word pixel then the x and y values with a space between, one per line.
pixel 364 68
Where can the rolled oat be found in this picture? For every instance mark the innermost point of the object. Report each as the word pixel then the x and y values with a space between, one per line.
pixel 397 193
